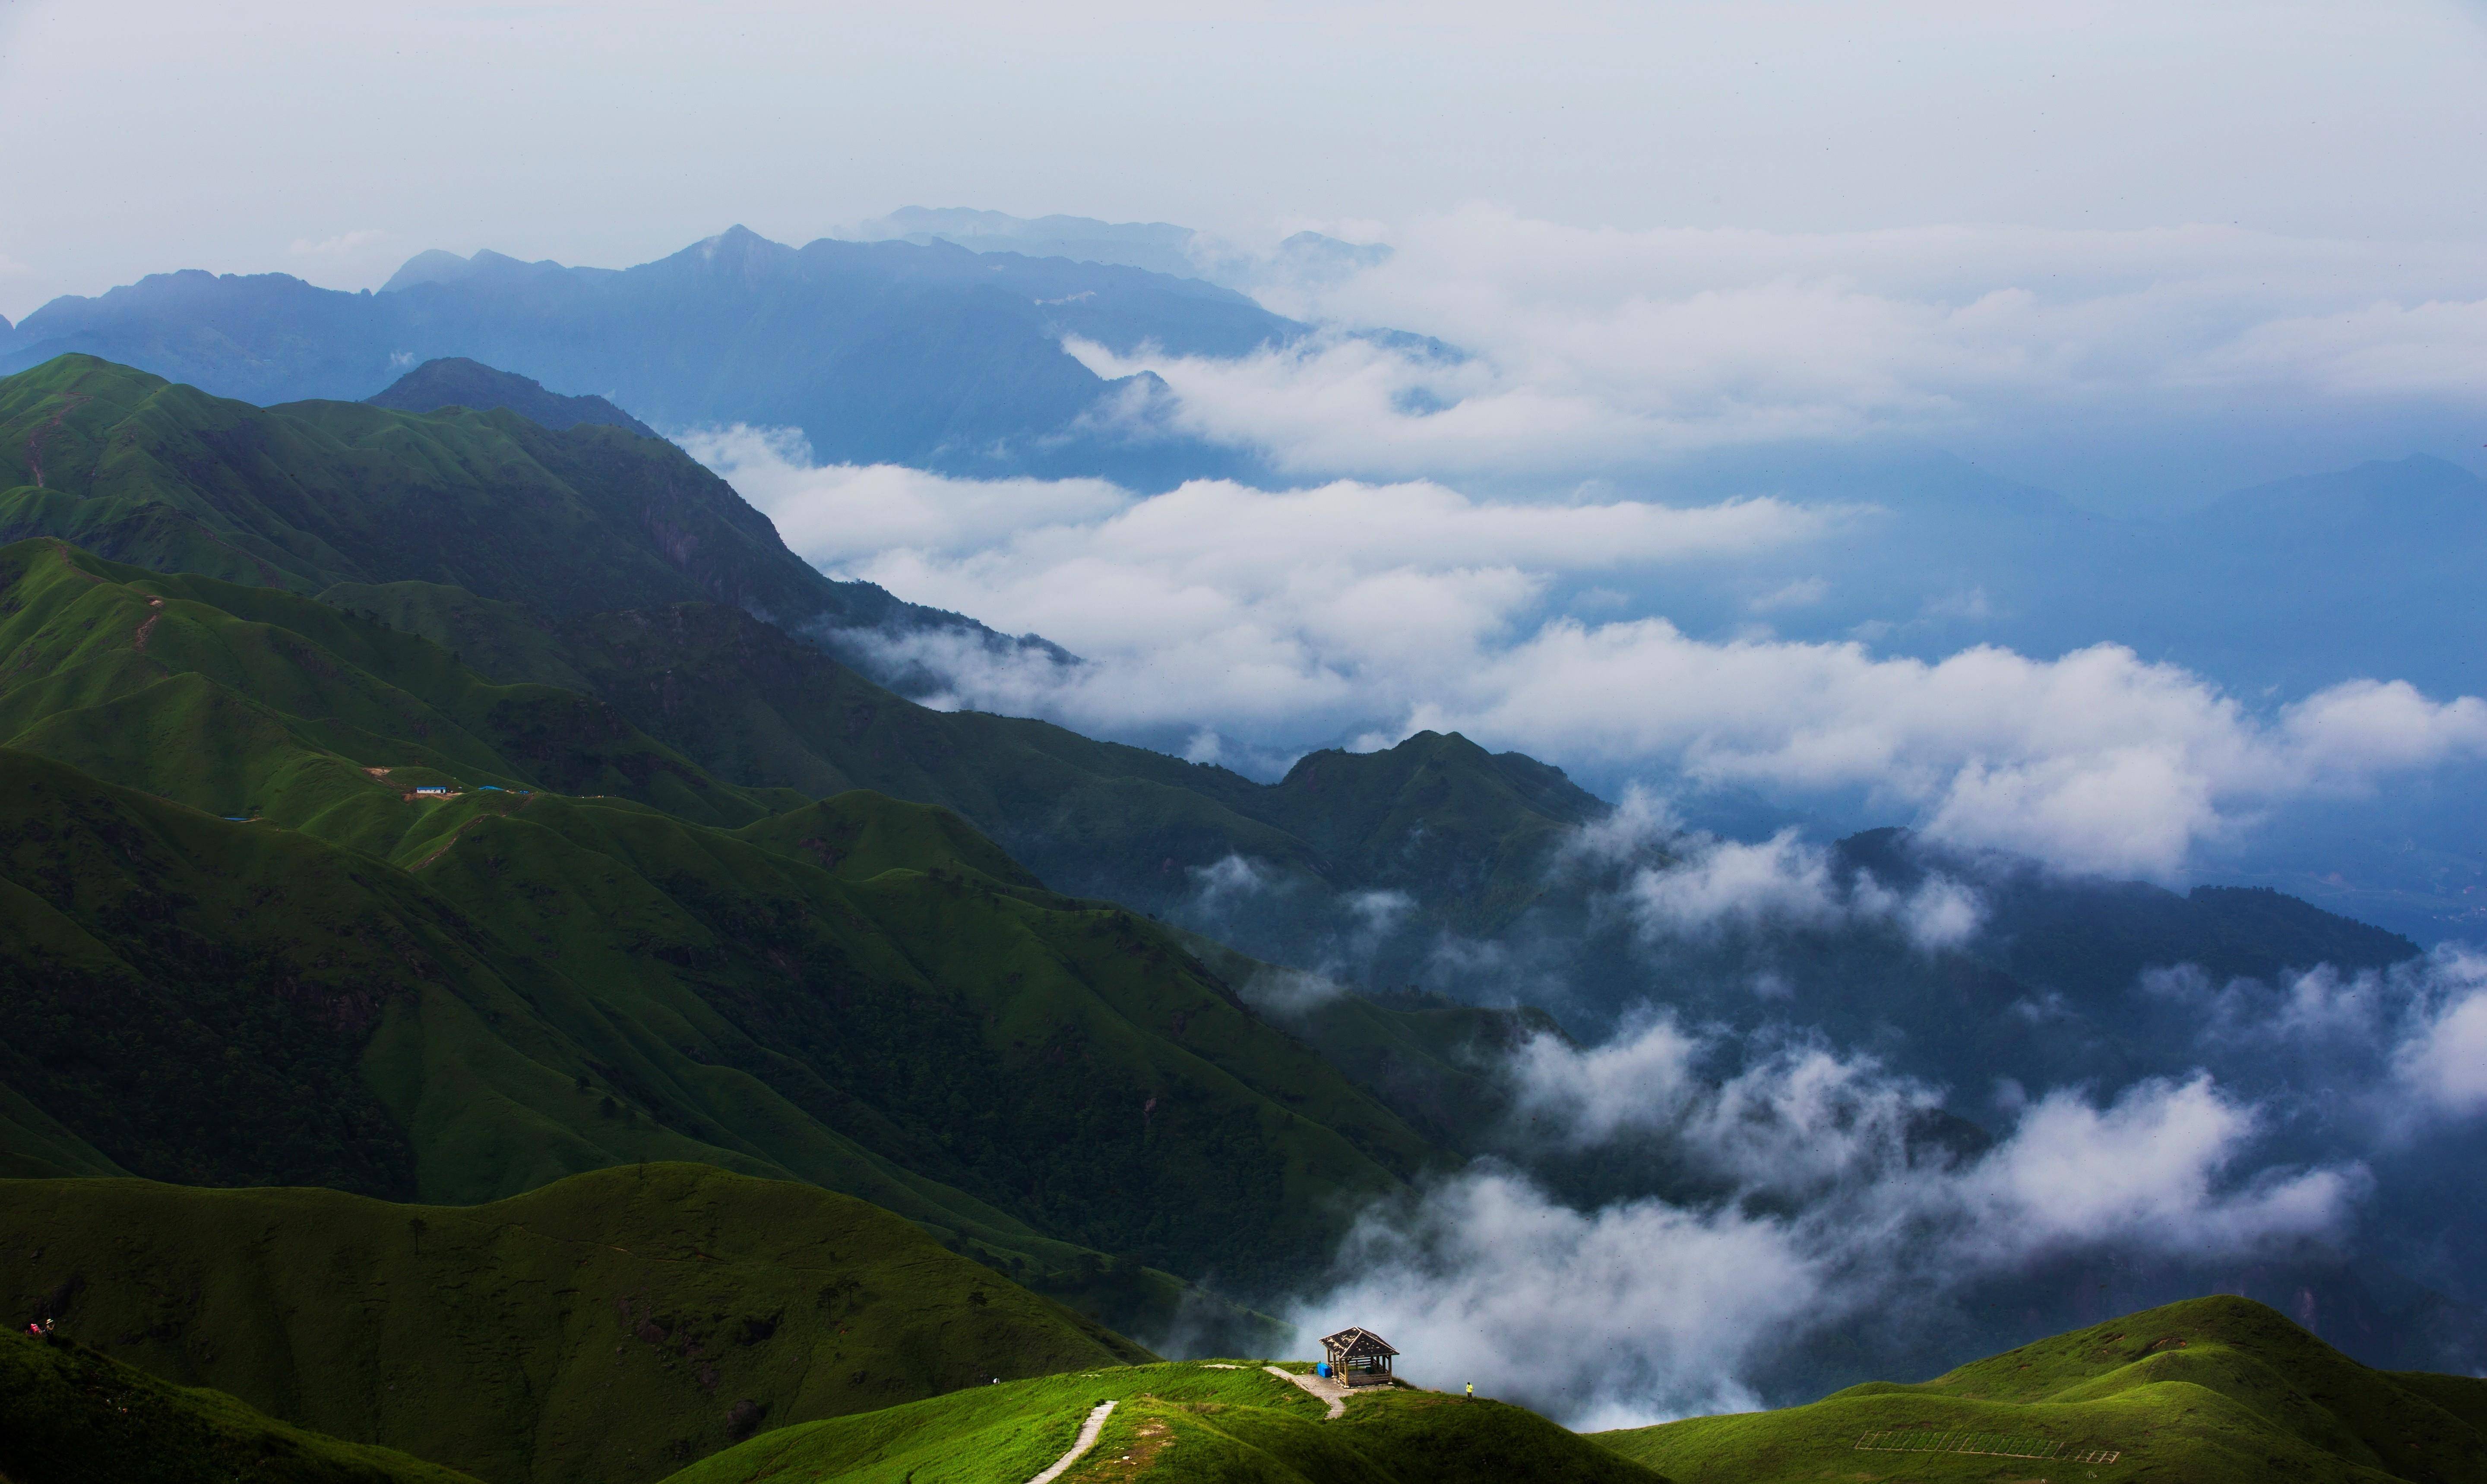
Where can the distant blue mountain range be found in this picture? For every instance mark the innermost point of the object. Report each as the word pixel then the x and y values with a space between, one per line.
pixel 924 353
pixel 1161 247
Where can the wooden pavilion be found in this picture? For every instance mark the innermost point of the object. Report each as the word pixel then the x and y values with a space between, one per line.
pixel 1359 1357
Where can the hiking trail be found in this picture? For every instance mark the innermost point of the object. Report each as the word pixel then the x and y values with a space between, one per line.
pixel 1088 1432
pixel 1334 1392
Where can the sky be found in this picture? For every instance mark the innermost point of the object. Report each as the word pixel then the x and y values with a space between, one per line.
pixel 335 141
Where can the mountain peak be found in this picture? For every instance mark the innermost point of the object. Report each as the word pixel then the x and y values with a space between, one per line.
pixel 739 245
pixel 434 265
pixel 454 381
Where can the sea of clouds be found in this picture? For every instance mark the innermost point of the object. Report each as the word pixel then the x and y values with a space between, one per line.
pixel 1828 1213
pixel 1793 1197
pixel 1264 623
pixel 1483 537
pixel 2074 359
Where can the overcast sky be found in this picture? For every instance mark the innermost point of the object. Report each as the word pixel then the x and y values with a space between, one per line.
pixel 334 141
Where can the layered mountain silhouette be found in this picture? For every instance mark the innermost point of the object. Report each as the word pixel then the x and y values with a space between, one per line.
pixel 894 351
pixel 1161 247
pixel 307 496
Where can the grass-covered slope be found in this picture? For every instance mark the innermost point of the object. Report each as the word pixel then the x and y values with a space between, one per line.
pixel 306 495
pixel 2207 1391
pixel 257 703
pixel 1227 1421
pixel 1466 832
pixel 610 1326
pixel 69 1415
pixel 553 984
pixel 363 503
pixel 343 981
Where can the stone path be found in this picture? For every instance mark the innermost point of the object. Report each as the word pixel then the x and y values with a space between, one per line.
pixel 1088 1432
pixel 1334 1392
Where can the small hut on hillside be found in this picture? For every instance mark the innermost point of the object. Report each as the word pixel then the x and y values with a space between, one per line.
pixel 1359 1357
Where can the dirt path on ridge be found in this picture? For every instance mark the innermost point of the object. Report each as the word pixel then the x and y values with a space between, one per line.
pixel 1088 1432
pixel 1334 1392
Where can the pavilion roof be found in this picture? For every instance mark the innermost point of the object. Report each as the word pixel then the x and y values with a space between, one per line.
pixel 1358 1342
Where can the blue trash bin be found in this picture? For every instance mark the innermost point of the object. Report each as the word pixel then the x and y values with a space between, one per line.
pixel 1322 1370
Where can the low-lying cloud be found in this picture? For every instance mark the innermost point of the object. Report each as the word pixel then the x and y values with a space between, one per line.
pixel 2445 1061
pixel 1275 621
pixel 1593 350
pixel 1679 883
pixel 1828 1208
pixel 2398 1049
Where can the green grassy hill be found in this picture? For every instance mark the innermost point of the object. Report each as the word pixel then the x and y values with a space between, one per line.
pixel 568 962
pixel 259 703
pixel 673 606
pixel 1227 1421
pixel 470 527
pixel 610 1326
pixel 164 476
pixel 1463 830
pixel 549 984
pixel 69 1415
pixel 2206 1391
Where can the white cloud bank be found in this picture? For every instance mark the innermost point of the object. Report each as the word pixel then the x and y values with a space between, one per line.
pixel 1286 620
pixel 1834 1212
pixel 1593 349
pixel 1679 881
pixel 2404 1048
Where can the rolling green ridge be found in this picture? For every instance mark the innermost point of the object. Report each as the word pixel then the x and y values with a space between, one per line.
pixel 257 703
pixel 620 933
pixel 1467 831
pixel 2206 1392
pixel 1466 835
pixel 551 984
pixel 304 496
pixel 481 530
pixel 478 993
pixel 1228 1421
pixel 609 1327
pixel 597 562
pixel 69 1415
